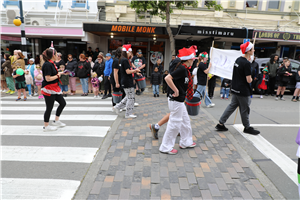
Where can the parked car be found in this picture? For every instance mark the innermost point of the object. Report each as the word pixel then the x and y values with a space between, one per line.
pixel 262 62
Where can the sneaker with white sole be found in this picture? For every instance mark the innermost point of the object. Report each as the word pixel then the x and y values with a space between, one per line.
pixel 261 97
pixel 130 116
pixel 173 152
pixel 276 99
pixel 210 105
pixel 58 124
pixel 191 146
pixel 282 99
pixel 95 97
pixel 136 104
pixel 49 128
pixel 116 110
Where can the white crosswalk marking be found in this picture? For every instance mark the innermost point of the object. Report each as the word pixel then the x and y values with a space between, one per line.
pixel 69 149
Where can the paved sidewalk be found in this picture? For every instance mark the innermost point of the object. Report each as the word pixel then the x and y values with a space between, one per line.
pixel 133 167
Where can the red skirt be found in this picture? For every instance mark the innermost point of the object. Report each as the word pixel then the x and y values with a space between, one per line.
pixel 51 89
pixel 263 85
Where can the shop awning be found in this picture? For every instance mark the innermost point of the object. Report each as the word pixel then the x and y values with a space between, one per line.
pixel 277 36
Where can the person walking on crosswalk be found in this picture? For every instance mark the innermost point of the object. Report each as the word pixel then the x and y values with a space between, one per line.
pixel 51 90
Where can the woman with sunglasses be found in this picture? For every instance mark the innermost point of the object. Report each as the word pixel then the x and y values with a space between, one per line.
pixel 71 66
pixel 58 62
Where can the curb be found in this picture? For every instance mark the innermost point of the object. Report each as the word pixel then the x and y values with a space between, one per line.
pixel 262 178
pixel 88 180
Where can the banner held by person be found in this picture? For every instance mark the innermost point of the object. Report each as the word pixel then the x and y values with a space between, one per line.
pixel 222 62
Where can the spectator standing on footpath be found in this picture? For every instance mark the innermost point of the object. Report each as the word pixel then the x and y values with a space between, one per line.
pixel 31 68
pixel 8 74
pixel 272 66
pixel 254 71
pixel 263 79
pixel 241 90
pixel 83 72
pixel 155 81
pixel 99 69
pixel 90 59
pixel 284 73
pixel 90 52
pixel 297 90
pixel 3 80
pixel 71 66
pixel 107 72
pixel 58 62
pixel 225 88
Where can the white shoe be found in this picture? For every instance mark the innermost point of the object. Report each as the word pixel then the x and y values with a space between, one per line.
pixel 2 90
pixel 36 94
pixel 261 97
pixel 121 110
pixel 136 104
pixel 49 128
pixel 276 99
pixel 282 99
pixel 210 105
pixel 58 123
pixel 116 110
pixel 98 96
pixel 95 97
pixel 130 116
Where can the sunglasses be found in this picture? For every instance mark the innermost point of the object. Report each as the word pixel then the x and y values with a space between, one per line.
pixel 70 58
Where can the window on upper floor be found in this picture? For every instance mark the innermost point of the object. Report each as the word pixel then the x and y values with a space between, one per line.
pixel 10 3
pixel 53 3
pixel 251 4
pixel 274 5
pixel 80 4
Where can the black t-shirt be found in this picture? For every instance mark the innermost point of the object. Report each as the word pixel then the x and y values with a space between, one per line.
pixel 239 84
pixel 181 81
pixel 48 69
pixel 58 64
pixel 115 65
pixel 126 79
pixel 138 62
pixel 19 78
pixel 201 76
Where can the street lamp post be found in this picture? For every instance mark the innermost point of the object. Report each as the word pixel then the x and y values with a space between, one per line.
pixel 23 37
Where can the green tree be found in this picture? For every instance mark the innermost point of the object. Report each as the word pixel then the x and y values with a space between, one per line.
pixel 163 9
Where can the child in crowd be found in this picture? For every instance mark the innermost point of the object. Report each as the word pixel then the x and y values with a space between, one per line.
pixel 20 83
pixel 38 78
pixel 64 81
pixel 31 68
pixel 165 85
pixel 95 84
pixel 263 79
pixel 226 83
pixel 29 82
pixel 155 82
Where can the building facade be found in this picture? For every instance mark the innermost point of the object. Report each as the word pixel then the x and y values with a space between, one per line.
pixel 74 25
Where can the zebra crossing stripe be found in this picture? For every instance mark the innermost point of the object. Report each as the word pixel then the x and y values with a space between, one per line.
pixel 67 108
pixel 76 131
pixel 62 117
pixel 68 103
pixel 67 98
pixel 17 188
pixel 48 154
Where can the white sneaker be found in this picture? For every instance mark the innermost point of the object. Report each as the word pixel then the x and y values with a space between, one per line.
pixel 98 96
pixel 130 116
pixel 282 99
pixel 124 109
pixel 261 97
pixel 95 97
pixel 36 94
pixel 116 110
pixel 276 99
pixel 136 104
pixel 210 105
pixel 58 123
pixel 2 90
pixel 49 128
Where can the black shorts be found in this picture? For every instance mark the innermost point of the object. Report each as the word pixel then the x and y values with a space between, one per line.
pixel 282 83
pixel 22 86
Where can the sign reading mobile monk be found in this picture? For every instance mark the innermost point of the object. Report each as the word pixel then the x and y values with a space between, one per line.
pixel 133 29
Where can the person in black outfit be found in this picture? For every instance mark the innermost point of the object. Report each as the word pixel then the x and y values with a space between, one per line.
pixel 99 69
pixel 159 66
pixel 171 63
pixel 115 77
pixel 71 65
pixel 211 86
pixel 90 52
pixel 20 84
pixel 58 62
pixel 241 91
pixel 284 73
pixel 165 85
pixel 51 90
pixel 83 72
pixel 155 82
pixel 254 71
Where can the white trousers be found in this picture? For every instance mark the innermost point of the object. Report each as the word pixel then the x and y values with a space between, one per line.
pixel 179 122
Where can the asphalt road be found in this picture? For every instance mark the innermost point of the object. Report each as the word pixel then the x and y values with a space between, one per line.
pixel 278 122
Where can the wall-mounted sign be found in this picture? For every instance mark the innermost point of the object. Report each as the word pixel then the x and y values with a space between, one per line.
pixel 155 56
pixel 133 29
pixel 275 35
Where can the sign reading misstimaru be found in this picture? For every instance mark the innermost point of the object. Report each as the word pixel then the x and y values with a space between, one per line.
pixel 275 35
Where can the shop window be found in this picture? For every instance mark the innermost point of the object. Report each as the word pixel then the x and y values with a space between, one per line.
pixel 251 4
pixel 274 5
pixel 80 4
pixel 10 3
pixel 53 3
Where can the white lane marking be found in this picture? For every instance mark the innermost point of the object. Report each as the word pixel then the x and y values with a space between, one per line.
pixel 48 154
pixel 62 117
pixel 288 166
pixel 42 102
pixel 16 188
pixel 66 98
pixel 67 108
pixel 81 131
pixel 276 125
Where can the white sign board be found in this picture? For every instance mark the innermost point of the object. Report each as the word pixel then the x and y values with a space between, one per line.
pixel 222 62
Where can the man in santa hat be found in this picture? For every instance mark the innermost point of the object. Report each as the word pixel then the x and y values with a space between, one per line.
pixel 241 90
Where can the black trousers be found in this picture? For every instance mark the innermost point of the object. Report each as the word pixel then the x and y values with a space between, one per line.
pixel 211 86
pixel 49 100
pixel 271 86
pixel 107 85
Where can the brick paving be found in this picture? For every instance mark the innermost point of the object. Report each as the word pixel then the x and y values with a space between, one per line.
pixel 135 169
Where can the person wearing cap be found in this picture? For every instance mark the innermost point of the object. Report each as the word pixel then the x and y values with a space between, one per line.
pixel 202 74
pixel 179 81
pixel 31 68
pixel 263 79
pixel 272 67
pixel 107 72
pixel 89 52
pixel 138 62
pixel 241 90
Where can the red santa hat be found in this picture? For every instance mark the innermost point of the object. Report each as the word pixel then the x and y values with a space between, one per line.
pixel 204 54
pixel 186 54
pixel 194 48
pixel 126 47
pixel 246 47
